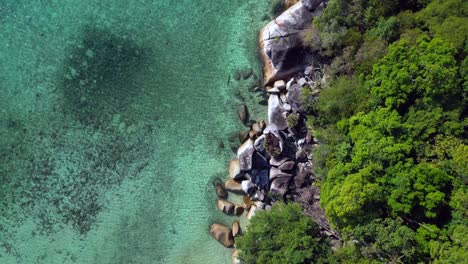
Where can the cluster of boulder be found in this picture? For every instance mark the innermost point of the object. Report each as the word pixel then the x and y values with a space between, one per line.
pixel 274 156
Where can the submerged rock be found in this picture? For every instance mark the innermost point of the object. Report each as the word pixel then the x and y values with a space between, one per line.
pixel 220 190
pixel 222 234
pixel 243 113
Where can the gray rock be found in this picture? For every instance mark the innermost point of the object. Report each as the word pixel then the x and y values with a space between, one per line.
pixel 288 84
pixel 309 70
pixel 275 113
pixel 243 113
pixel 258 144
pixel 301 155
pixel 280 42
pixel 280 185
pixel 287 108
pixel 287 166
pixel 276 173
pixel 244 154
pixel 312 5
pixel 294 97
pixel 248 187
pixel 283 100
pixel 278 161
pixel 302 82
pixel 258 196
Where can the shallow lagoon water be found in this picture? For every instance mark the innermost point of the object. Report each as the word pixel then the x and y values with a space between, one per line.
pixel 114 121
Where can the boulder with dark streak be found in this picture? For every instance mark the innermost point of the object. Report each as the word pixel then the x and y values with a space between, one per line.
pixel 280 40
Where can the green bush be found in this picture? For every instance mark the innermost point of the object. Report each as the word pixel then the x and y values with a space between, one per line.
pixel 282 235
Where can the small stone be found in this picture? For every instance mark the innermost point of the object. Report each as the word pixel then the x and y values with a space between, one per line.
pixel 280 185
pixel 252 211
pixel 274 90
pixel 257 129
pixel 262 124
pixel 258 196
pixel 235 257
pixel 309 70
pixel 238 210
pixel 280 84
pixel 301 82
pixel 235 228
pixel 288 84
pixel 225 206
pixel 301 155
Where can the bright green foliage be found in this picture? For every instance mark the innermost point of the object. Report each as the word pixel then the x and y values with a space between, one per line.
pixel 408 73
pixel 282 235
pixel 419 189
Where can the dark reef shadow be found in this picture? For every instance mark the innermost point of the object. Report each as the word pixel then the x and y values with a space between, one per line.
pixel 99 77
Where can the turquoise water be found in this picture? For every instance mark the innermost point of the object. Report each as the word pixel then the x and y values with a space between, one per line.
pixel 114 121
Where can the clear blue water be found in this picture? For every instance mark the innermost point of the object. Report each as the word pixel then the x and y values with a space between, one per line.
pixel 114 121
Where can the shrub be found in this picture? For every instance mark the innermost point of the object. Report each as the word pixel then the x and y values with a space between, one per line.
pixel 282 235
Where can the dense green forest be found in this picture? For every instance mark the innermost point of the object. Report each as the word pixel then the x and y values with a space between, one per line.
pixel 392 125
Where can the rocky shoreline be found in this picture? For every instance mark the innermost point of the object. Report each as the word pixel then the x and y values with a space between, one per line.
pixel 274 157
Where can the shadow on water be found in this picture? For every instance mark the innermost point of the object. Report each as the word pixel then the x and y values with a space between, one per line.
pixel 100 76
